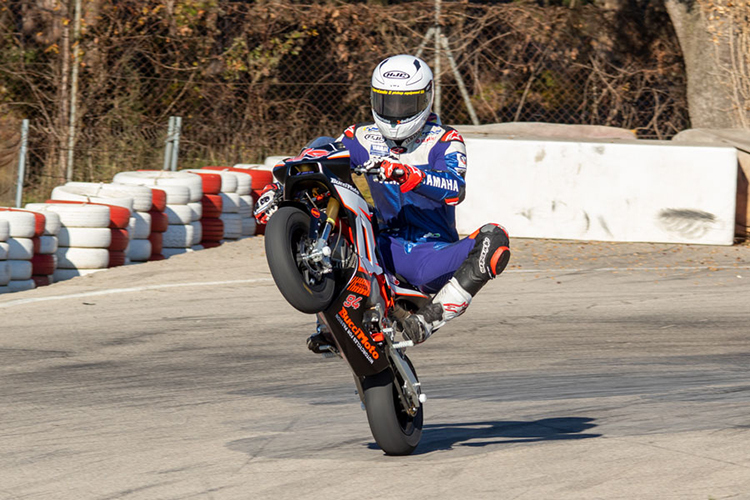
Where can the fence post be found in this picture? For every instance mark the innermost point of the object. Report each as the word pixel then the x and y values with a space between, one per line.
pixel 74 90
pixel 176 146
pixel 22 162
pixel 437 35
pixel 168 145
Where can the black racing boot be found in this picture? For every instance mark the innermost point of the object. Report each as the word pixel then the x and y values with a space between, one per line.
pixel 321 342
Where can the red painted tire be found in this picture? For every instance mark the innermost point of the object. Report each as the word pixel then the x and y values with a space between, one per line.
pixel 43 264
pixel 120 240
pixel 37 241
pixel 210 244
pixel 159 203
pixel 159 222
pixel 116 258
pixel 119 217
pixel 212 206
pixel 157 256
pixel 213 230
pixel 157 243
pixel 41 280
pixel 211 182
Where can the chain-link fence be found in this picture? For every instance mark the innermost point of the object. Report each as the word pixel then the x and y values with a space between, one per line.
pixel 253 79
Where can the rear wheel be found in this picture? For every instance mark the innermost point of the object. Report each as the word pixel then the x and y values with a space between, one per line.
pixel 395 431
pixel 287 238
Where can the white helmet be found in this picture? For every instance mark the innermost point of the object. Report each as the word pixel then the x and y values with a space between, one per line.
pixel 401 96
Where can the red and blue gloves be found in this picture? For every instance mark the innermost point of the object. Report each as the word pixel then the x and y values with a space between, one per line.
pixel 407 176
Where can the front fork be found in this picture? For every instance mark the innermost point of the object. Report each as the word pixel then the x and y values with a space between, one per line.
pixel 319 257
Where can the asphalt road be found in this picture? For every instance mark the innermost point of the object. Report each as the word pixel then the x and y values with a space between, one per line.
pixel 586 371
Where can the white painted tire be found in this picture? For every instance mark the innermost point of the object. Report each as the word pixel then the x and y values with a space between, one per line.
pixel 51 219
pixel 74 215
pixel 197 232
pixel 21 285
pixel 168 252
pixel 176 195
pixel 4 249
pixel 246 206
pixel 92 193
pixel 4 272
pixel 20 248
pixel 197 211
pixel 82 258
pixel 20 269
pixel 141 195
pixel 178 236
pixel 232 226
pixel 47 245
pixel 22 224
pixel 139 250
pixel 158 178
pixel 66 274
pixel 179 214
pixel 4 229
pixel 248 226
pixel 230 203
pixel 140 225
pixel 244 183
pixel 84 237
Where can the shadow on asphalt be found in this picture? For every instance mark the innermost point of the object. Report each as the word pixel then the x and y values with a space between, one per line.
pixel 440 437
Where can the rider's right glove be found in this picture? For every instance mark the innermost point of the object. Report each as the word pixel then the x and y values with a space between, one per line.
pixel 267 203
pixel 409 177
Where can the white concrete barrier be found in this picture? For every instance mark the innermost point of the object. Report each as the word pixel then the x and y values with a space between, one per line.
pixel 623 191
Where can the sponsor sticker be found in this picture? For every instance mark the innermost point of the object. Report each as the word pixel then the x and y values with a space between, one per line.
pixel 315 213
pixel 352 301
pixel 398 75
pixel 374 138
pixel 359 285
pixel 360 338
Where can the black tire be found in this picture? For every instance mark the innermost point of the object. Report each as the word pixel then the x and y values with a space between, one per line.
pixel 394 430
pixel 284 232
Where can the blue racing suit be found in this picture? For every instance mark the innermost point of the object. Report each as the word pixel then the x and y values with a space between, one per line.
pixel 418 240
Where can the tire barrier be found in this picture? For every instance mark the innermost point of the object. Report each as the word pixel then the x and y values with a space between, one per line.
pixel 142 215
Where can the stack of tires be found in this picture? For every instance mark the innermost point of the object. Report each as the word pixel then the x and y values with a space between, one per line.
pixel 84 238
pixel 159 223
pixel 4 266
pixel 24 229
pixel 212 227
pixel 184 192
pixel 121 209
pixel 246 203
pixel 261 178
pixel 230 203
pixel 44 261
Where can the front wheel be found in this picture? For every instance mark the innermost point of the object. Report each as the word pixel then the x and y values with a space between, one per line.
pixel 287 238
pixel 395 431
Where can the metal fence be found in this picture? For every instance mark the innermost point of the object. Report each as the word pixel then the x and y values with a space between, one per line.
pixel 99 79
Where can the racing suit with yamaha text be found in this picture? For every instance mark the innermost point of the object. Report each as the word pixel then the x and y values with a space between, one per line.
pixel 418 239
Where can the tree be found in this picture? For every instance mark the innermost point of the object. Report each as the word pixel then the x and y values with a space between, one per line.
pixel 714 36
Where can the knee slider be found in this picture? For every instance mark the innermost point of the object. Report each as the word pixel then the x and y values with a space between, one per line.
pixel 493 247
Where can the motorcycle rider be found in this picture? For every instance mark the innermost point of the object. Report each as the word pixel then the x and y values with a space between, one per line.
pixel 423 164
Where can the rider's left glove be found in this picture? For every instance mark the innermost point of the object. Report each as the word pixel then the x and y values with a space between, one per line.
pixel 267 203
pixel 409 177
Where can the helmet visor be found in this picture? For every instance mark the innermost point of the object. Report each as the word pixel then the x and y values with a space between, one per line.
pixel 399 104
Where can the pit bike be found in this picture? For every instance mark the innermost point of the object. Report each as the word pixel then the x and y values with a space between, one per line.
pixel 321 249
